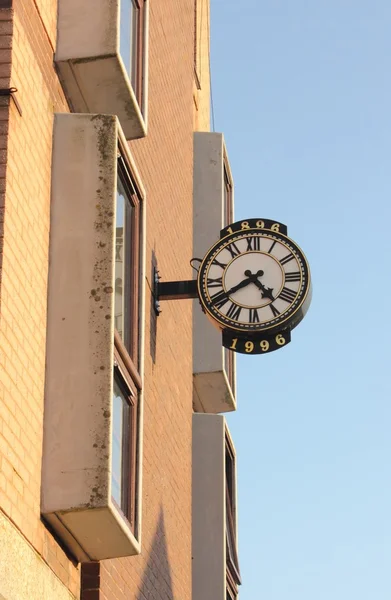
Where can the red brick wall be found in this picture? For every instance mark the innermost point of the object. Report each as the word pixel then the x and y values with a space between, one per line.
pixel 24 223
pixel 165 161
pixel 6 28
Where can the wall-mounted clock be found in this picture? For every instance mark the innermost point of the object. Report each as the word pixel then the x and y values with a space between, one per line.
pixel 254 284
pixel 254 280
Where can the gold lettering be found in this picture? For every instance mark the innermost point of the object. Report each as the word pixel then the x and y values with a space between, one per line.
pixel 233 345
pixel 249 347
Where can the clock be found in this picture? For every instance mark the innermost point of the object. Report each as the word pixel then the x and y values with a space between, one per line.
pixel 254 280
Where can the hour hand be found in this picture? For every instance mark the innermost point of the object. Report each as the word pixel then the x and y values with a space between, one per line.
pixel 240 285
pixel 224 294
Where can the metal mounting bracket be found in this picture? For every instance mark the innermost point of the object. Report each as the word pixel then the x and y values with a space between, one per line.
pixel 171 290
pixel 10 92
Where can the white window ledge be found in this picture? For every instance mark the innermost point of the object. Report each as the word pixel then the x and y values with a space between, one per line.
pixel 78 418
pixel 90 67
pixel 212 390
pixel 209 519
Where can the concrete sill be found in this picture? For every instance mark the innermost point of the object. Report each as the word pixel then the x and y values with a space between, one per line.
pixel 100 84
pixel 78 417
pixel 212 393
pixel 94 533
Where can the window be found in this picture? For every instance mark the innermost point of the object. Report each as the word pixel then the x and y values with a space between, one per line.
pixel 96 308
pixel 214 371
pixel 229 366
pixel 120 441
pixel 127 381
pixel 101 73
pixel 233 572
pixel 127 238
pixel 228 204
pixel 131 39
pixel 227 219
pixel 215 565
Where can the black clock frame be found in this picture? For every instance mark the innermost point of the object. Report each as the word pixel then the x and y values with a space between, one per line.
pixel 244 342
pixel 256 344
pixel 290 318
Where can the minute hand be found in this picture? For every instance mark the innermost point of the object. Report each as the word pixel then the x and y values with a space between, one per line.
pixel 225 294
pixel 266 292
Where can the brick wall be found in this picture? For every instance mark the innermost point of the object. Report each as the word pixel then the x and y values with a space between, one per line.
pixel 47 12
pixel 6 28
pixel 165 161
pixel 26 208
pixel 201 86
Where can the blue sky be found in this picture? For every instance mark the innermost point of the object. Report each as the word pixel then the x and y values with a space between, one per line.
pixel 302 93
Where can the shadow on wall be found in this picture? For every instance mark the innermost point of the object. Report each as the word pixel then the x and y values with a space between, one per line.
pixel 153 315
pixel 157 581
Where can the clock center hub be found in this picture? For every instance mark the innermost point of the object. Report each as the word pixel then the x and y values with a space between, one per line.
pixel 254 265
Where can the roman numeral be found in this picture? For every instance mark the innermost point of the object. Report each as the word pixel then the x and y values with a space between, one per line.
pixel 287 295
pixel 219 299
pixel 234 312
pixel 253 243
pixel 292 276
pixel 220 303
pixel 233 249
pixel 214 282
pixel 254 316
pixel 286 259
pixel 274 310
pixel 272 246
pixel 218 264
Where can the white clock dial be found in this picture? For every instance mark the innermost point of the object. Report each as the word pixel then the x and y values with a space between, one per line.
pixel 253 280
pixel 272 276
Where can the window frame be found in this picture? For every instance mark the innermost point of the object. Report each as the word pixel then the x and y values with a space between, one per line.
pixel 128 396
pixel 132 239
pixel 231 594
pixel 228 193
pixel 127 355
pixel 229 362
pixel 123 372
pixel 232 561
pixel 138 46
pixel 227 219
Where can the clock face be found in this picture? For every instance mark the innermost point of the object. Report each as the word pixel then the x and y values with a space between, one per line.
pixel 254 280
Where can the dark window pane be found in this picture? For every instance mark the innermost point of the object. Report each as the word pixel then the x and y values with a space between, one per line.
pixel 229 367
pixel 125 42
pixel 232 556
pixel 119 260
pixel 120 446
pixel 129 42
pixel 228 216
pixel 135 51
pixel 229 472
pixel 124 267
